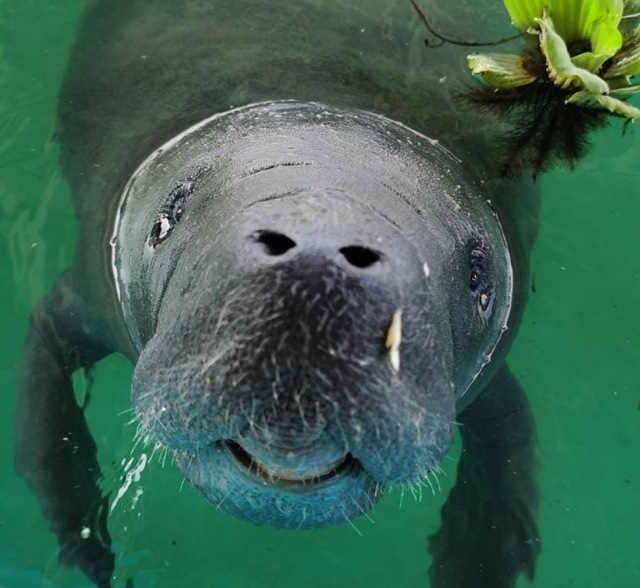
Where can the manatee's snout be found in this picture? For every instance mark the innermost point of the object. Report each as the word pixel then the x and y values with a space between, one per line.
pixel 317 304
pixel 309 311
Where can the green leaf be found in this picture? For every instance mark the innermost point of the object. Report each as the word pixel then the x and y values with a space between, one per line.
pixel 600 102
pixel 624 92
pixel 606 41
pixel 574 19
pixel 589 61
pixel 605 37
pixel 561 69
pixel 619 83
pixel 630 23
pixel 500 71
pixel 524 12
pixel 626 62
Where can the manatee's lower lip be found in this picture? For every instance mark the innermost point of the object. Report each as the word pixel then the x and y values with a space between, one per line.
pixel 286 477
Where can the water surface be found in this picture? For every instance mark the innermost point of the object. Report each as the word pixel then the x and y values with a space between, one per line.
pixel 577 355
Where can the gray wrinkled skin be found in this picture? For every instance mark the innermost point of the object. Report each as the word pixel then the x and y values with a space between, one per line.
pixel 284 353
pixel 296 234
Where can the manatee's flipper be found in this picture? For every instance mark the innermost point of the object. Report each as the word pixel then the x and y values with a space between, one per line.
pixel 489 535
pixel 54 450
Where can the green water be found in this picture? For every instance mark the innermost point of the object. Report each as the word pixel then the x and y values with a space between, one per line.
pixel 578 356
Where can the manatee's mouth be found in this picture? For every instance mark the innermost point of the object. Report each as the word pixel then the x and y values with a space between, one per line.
pixel 281 476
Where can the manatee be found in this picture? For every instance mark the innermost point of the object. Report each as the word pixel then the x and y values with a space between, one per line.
pixel 297 235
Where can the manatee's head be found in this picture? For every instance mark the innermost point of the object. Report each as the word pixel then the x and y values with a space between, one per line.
pixel 312 291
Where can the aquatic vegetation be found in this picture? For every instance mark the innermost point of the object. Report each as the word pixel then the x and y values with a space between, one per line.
pixel 575 70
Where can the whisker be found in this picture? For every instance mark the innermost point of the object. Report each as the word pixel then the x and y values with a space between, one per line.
pixel 221 502
pixel 365 514
pixel 351 524
pixel 427 480
pixel 401 496
pixel 304 516
pixel 413 491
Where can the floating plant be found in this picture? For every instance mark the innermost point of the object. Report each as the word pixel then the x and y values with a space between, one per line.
pixel 574 71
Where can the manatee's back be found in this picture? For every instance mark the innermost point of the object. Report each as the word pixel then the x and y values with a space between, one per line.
pixel 141 71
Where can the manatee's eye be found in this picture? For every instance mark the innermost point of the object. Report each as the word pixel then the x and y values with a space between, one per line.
pixel 481 282
pixel 170 213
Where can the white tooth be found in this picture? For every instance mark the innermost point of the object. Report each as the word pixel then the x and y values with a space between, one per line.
pixel 293 476
pixel 394 336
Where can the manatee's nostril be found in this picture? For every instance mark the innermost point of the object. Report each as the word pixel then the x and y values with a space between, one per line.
pixel 359 256
pixel 273 243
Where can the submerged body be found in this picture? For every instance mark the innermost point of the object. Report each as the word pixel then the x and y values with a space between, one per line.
pixel 312 287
